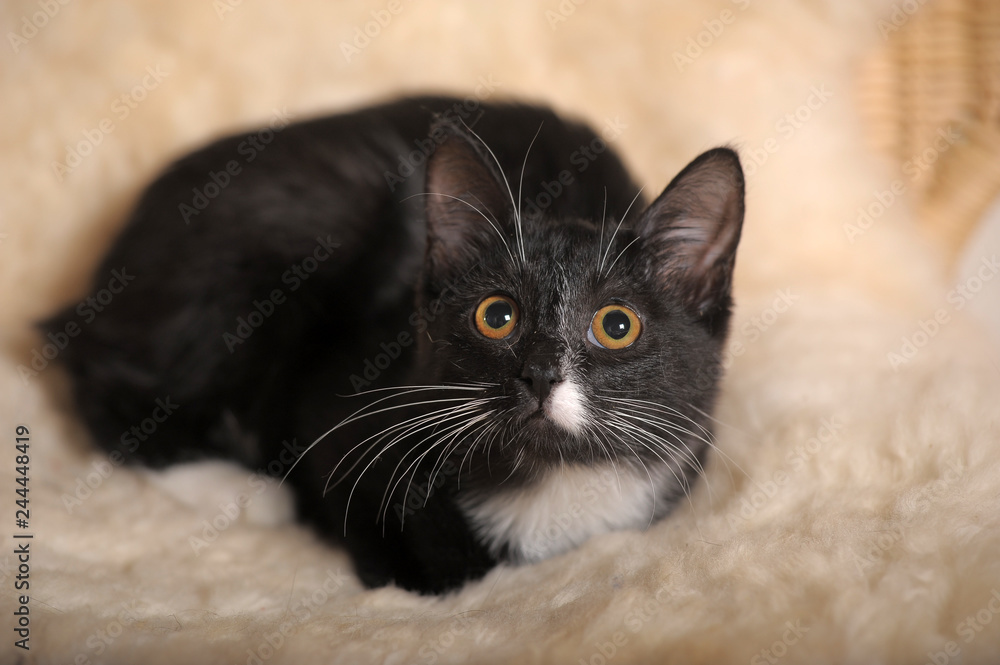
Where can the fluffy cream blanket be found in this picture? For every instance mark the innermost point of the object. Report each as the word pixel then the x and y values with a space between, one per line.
pixel 851 513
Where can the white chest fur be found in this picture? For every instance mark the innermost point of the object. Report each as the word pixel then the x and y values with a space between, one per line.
pixel 566 507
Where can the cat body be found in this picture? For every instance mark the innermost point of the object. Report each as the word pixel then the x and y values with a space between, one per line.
pixel 461 342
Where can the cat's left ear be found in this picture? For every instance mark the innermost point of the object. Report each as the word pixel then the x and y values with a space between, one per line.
pixel 467 206
pixel 693 228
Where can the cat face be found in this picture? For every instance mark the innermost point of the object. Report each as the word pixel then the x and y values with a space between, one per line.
pixel 591 339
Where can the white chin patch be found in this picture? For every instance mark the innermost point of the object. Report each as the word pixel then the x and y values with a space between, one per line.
pixel 565 407
pixel 564 508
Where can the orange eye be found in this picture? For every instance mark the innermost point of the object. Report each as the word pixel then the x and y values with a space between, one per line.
pixel 496 317
pixel 614 327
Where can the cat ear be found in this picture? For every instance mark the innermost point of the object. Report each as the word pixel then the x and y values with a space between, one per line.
pixel 467 206
pixel 693 228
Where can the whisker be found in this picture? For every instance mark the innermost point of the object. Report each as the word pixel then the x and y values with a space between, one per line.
pixel 662 408
pixel 634 240
pixel 652 484
pixel 647 438
pixel 402 430
pixel 620 222
pixel 490 427
pixel 652 442
pixel 453 432
pixel 639 416
pixel 709 441
pixel 608 448
pixel 715 420
pixel 427 421
pixel 489 443
pixel 670 428
pixel 604 214
pixel 471 385
pixel 517 212
pixel 449 442
pixel 360 413
pixel 390 429
pixel 520 185
pixel 480 212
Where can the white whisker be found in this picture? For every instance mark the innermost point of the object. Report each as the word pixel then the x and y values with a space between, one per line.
pixel 600 268
pixel 634 240
pixel 520 185
pixel 387 431
pixel 708 439
pixel 480 212
pixel 449 434
pixel 604 214
pixel 517 212
pixel 645 438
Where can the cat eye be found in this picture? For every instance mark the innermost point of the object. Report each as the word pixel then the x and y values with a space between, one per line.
pixel 614 327
pixel 496 317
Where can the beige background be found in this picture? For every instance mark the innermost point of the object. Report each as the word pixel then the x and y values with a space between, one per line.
pixel 854 501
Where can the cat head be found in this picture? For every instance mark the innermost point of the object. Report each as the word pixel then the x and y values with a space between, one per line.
pixel 592 338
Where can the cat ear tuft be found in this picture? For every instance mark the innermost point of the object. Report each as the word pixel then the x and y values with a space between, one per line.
pixel 693 228
pixel 467 206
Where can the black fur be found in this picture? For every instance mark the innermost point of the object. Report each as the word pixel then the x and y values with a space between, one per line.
pixel 381 253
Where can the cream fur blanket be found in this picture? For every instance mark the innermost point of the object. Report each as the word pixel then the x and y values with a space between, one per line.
pixel 852 512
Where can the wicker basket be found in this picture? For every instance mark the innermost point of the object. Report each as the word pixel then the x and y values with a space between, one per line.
pixel 931 96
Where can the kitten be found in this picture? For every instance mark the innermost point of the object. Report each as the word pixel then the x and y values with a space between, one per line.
pixel 460 332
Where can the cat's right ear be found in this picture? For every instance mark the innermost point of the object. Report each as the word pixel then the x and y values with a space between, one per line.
pixel 693 229
pixel 467 204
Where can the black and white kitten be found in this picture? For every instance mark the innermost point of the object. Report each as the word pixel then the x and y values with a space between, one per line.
pixel 491 353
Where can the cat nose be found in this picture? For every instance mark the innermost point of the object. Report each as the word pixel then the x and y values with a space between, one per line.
pixel 540 376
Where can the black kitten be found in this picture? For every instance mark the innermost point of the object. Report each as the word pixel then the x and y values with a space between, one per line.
pixel 536 349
